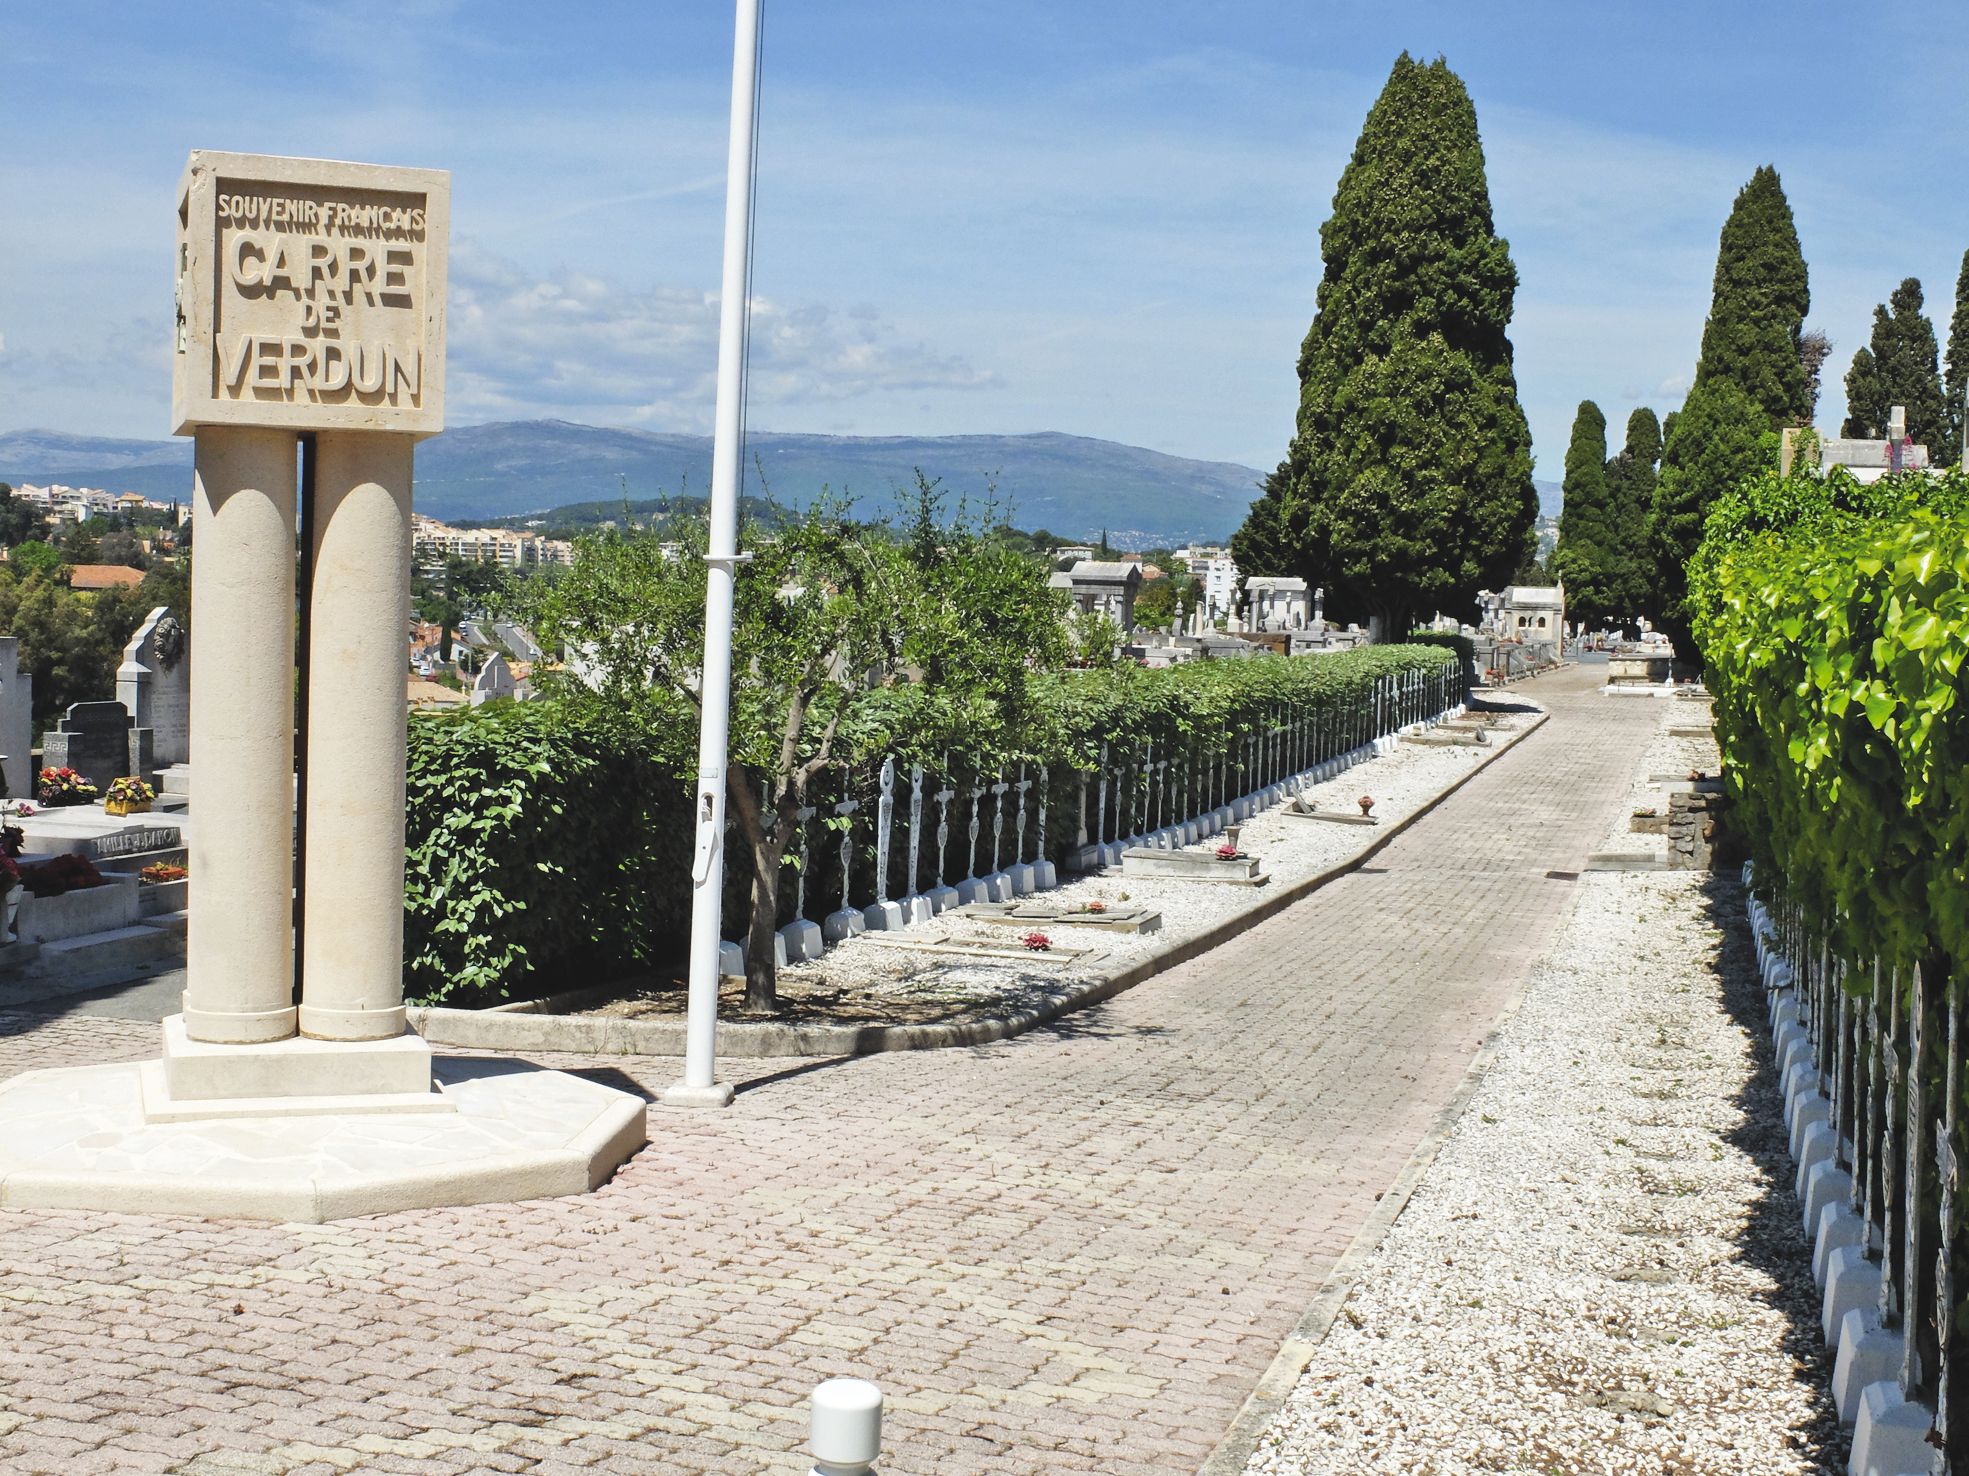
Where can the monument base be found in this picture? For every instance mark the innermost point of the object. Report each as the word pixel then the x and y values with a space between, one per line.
pixel 297 1069
pixel 82 1138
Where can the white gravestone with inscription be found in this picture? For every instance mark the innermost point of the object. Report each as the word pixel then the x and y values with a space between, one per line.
pixel 16 721
pixel 495 679
pixel 154 686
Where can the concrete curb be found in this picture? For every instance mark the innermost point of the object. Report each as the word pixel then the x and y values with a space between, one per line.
pixel 1233 1453
pixel 520 1030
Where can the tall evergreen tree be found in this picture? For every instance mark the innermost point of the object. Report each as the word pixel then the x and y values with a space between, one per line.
pixel 1814 348
pixel 1584 558
pixel 1408 484
pixel 1716 442
pixel 1955 389
pixel 1630 493
pixel 1751 379
pixel 1758 303
pixel 1898 367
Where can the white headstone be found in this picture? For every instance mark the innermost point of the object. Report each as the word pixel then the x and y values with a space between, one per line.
pixel 16 721
pixel 495 679
pixel 154 686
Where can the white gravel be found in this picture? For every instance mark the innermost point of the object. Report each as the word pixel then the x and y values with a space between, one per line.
pixel 1601 1271
pixel 1289 850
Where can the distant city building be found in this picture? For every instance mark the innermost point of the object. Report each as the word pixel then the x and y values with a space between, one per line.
pixel 433 542
pixel 78 504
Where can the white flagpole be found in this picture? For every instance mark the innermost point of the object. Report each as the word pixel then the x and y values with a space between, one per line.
pixel 700 1086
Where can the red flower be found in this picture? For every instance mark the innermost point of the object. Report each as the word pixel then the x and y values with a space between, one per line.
pixel 1037 942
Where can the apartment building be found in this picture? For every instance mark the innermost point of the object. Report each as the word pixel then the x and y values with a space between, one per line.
pixel 433 542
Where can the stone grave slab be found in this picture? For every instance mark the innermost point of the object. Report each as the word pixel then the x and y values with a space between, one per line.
pixel 950 946
pixel 1305 810
pixel 1118 918
pixel 1625 861
pixel 1205 866
pixel 85 830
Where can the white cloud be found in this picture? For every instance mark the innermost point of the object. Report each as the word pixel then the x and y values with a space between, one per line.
pixel 580 345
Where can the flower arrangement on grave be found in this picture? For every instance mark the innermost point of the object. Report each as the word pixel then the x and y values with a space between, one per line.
pixel 10 873
pixel 128 796
pixel 1097 905
pixel 1228 852
pixel 1366 802
pixel 13 839
pixel 64 787
pixel 59 874
pixel 160 872
pixel 1036 942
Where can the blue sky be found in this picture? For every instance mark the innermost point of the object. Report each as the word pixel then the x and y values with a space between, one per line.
pixel 1095 218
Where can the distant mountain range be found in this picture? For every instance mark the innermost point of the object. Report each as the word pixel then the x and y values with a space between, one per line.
pixel 1072 485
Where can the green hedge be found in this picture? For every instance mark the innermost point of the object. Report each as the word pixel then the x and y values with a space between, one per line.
pixel 1834 624
pixel 544 851
pixel 1450 640
pixel 535 849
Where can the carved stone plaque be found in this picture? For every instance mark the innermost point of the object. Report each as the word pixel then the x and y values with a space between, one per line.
pixel 310 295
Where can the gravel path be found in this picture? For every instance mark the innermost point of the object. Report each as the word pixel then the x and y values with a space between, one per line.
pixel 1601 1271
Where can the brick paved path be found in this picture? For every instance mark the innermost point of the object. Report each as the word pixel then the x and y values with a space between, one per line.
pixel 1074 1251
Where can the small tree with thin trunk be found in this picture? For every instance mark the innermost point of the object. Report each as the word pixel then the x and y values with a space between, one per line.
pixel 830 618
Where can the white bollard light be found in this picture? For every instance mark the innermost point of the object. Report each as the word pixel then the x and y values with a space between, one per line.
pixel 847 1428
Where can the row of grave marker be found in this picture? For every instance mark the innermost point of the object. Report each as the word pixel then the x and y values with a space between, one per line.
pixel 1883 1043
pixel 1132 796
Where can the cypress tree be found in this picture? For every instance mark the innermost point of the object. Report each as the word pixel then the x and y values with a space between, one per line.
pixel 1408 484
pixel 1630 492
pixel 1716 441
pixel 1758 303
pixel 1751 379
pixel 1814 348
pixel 1955 388
pixel 1898 367
pixel 1584 557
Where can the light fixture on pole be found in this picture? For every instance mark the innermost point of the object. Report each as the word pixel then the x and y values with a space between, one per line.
pixel 700 1086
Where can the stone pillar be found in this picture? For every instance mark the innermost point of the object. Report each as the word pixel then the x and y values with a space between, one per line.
pixel 239 953
pixel 352 963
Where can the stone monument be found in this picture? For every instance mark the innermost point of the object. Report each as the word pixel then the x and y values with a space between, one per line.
pixel 310 319
pixel 495 679
pixel 16 721
pixel 100 741
pixel 154 686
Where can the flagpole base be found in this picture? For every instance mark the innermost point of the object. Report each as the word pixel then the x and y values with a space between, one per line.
pixel 718 1094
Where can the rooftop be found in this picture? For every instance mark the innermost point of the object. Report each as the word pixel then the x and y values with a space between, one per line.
pixel 104 576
